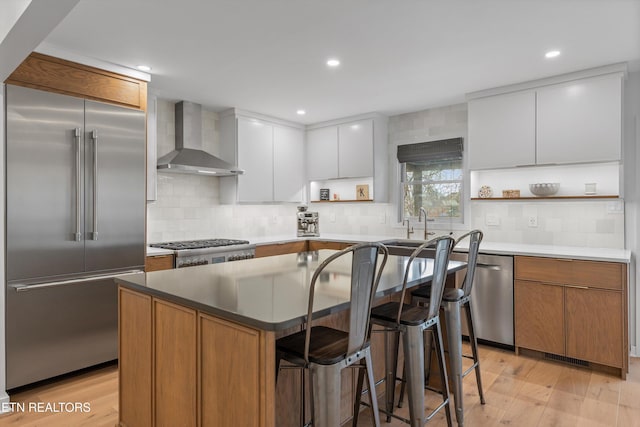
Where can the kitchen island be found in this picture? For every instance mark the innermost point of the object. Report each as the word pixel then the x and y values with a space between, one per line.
pixel 197 345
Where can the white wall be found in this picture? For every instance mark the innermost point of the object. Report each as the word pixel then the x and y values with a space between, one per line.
pixel 631 152
pixel 4 397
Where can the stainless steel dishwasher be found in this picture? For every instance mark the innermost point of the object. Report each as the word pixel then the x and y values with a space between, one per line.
pixel 492 299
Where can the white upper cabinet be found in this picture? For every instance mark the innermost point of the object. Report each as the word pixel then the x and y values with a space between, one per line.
pixel 322 153
pixel 255 157
pixel 355 149
pixel 502 131
pixel 270 151
pixel 351 148
pixel 288 165
pixel 580 121
pixel 565 121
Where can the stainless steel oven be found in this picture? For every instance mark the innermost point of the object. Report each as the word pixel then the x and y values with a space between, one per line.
pixel 210 251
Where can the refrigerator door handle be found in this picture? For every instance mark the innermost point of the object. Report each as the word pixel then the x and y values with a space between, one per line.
pixel 78 232
pixel 94 136
pixel 24 288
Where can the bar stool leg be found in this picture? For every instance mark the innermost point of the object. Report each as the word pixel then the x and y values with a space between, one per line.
pixel 391 344
pixel 437 337
pixel 413 344
pixel 427 366
pixel 454 339
pixel 326 402
pixel 474 349
pixel 372 389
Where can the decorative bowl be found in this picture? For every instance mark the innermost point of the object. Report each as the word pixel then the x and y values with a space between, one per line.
pixel 485 192
pixel 544 188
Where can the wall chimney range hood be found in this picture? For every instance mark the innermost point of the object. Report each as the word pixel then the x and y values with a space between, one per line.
pixel 189 157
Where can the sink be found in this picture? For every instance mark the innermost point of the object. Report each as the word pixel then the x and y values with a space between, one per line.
pixel 405 247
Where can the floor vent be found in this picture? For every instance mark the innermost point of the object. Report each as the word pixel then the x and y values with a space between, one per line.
pixel 571 360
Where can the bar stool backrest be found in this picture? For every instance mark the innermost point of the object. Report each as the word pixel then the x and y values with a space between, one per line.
pixel 475 237
pixel 443 247
pixel 364 282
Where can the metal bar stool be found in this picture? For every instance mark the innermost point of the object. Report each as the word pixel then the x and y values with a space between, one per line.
pixel 411 322
pixel 326 351
pixel 453 301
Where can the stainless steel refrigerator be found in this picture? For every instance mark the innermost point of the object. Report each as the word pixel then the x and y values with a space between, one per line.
pixel 75 218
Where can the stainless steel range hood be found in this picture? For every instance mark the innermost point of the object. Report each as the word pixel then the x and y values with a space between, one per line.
pixel 189 157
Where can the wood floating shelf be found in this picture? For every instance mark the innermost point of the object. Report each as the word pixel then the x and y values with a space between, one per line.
pixel 545 197
pixel 341 201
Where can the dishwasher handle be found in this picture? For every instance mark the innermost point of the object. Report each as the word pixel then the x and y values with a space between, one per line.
pixel 492 267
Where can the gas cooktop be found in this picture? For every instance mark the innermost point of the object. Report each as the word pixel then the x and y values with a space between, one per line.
pixel 199 244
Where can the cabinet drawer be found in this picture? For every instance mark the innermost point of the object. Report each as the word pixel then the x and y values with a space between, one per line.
pixel 595 274
pixel 160 262
pixel 281 248
pixel 315 245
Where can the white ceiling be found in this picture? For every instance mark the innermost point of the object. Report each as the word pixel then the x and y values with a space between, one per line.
pixel 268 56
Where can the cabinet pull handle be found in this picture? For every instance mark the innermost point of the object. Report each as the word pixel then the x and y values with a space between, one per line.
pixel 576 287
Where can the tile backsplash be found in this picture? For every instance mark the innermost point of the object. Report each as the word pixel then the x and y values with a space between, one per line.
pixel 188 206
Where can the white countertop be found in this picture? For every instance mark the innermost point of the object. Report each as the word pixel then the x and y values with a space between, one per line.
pixel 496 248
pixel 158 251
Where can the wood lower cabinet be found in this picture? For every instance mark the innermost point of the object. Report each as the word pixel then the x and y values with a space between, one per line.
pixel 594 325
pixel 281 248
pixel 158 262
pixel 174 365
pixel 181 367
pixel 573 308
pixel 135 354
pixel 234 363
pixel 316 245
pixel 539 316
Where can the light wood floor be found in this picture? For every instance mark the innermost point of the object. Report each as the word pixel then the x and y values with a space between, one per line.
pixel 519 391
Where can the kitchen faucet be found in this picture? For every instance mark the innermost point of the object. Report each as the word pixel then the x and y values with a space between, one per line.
pixel 423 212
pixel 409 231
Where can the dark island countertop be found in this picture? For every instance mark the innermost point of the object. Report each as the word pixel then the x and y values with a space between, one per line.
pixel 272 293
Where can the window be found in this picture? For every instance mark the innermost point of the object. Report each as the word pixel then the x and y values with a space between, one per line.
pixel 431 177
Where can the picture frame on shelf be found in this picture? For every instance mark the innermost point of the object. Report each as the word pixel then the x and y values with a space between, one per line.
pixel 362 192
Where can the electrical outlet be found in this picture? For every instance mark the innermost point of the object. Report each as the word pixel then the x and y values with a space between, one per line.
pixel 382 219
pixel 533 221
pixel 332 217
pixel 274 219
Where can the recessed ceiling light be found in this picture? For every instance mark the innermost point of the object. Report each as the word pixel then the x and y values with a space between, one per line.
pixel 552 54
pixel 301 112
pixel 144 68
pixel 333 62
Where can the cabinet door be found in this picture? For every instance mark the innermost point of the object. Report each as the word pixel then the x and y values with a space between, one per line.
pixel 539 317
pixel 322 153
pixel 502 131
pixel 288 164
pixel 594 325
pixel 175 365
pixel 355 149
pixel 580 121
pixel 255 156
pixel 135 358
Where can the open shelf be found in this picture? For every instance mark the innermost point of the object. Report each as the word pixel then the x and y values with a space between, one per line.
pixel 341 201
pixel 546 197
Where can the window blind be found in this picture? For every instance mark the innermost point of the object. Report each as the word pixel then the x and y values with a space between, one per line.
pixel 432 151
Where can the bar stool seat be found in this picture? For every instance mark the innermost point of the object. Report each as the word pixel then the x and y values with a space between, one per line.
pixel 411 315
pixel 328 346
